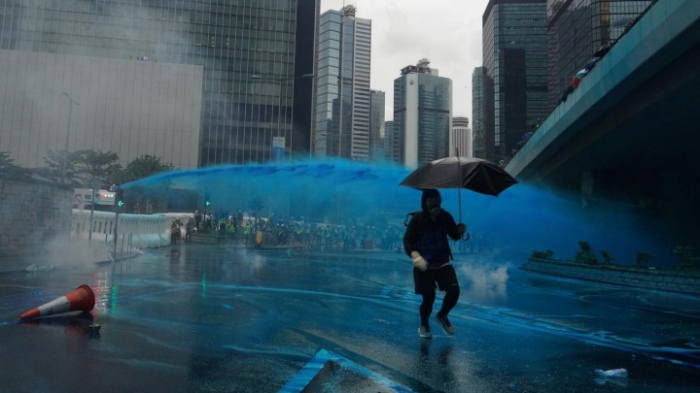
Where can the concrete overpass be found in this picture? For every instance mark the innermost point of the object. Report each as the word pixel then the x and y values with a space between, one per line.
pixel 632 128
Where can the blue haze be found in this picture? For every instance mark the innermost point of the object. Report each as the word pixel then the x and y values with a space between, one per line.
pixel 522 219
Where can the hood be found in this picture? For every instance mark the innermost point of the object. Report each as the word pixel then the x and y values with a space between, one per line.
pixel 428 193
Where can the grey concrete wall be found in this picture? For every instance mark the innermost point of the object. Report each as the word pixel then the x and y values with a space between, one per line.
pixel 32 214
pixel 671 281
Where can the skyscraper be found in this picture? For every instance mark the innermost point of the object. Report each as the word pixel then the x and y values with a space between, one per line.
pixel 577 30
pixel 342 126
pixel 257 57
pixel 461 137
pixel 376 127
pixel 391 143
pixel 422 114
pixel 515 78
pixel 478 147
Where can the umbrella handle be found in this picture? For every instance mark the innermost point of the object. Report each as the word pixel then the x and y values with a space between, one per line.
pixel 459 196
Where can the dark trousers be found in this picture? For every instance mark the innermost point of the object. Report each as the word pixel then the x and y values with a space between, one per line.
pixel 446 280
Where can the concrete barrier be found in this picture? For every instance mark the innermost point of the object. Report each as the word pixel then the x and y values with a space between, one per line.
pixel 661 280
pixel 134 230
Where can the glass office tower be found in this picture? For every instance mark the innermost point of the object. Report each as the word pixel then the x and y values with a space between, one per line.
pixel 577 29
pixel 343 96
pixel 515 80
pixel 376 128
pixel 391 146
pixel 478 147
pixel 255 54
pixel 422 115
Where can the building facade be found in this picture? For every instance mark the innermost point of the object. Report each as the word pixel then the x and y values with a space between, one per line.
pixel 342 126
pixel 391 145
pixel 478 147
pixel 515 73
pixel 422 115
pixel 67 102
pixel 577 29
pixel 461 137
pixel 376 127
pixel 257 57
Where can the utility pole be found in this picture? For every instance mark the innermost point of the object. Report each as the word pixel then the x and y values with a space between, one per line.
pixel 70 112
pixel 118 203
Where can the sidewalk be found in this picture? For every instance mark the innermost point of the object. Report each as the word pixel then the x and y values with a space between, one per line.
pixel 35 263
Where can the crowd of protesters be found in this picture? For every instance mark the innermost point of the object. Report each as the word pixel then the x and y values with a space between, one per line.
pixel 248 230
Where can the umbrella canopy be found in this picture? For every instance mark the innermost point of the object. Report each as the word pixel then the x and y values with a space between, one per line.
pixel 471 173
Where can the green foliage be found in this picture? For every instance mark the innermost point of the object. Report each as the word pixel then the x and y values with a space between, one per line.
pixel 586 255
pixel 99 165
pixel 142 167
pixel 688 261
pixel 542 254
pixel 607 258
pixel 8 166
pixel 62 167
pixel 585 247
pixel 642 259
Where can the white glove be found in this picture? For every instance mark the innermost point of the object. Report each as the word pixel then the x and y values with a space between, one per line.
pixel 418 261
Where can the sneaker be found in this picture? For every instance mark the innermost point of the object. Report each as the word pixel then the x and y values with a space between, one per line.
pixel 445 324
pixel 424 332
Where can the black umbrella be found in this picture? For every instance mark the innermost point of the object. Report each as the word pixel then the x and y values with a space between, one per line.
pixel 471 173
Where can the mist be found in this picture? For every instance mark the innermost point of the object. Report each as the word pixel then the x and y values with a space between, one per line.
pixel 522 219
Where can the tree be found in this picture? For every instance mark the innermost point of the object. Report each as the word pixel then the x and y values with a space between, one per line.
pixel 642 258
pixel 141 167
pixel 61 166
pixel 542 254
pixel 8 166
pixel 607 258
pixel 99 165
pixel 688 261
pixel 586 254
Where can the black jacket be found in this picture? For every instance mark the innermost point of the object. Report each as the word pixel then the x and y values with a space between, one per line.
pixel 420 225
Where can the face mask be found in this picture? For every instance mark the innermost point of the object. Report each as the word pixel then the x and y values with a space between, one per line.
pixel 435 211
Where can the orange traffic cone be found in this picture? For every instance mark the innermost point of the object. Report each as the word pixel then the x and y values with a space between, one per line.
pixel 80 298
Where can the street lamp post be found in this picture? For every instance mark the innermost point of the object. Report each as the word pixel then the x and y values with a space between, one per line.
pixel 70 113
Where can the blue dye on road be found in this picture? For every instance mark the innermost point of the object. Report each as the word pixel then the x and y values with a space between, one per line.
pixel 268 317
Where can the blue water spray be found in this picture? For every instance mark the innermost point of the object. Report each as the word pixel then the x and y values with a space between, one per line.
pixel 522 219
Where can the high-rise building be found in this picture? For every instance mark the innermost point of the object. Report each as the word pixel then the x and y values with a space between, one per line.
pixel 391 143
pixel 342 126
pixel 376 126
pixel 576 30
pixel 422 114
pixel 461 138
pixel 257 57
pixel 478 148
pixel 515 77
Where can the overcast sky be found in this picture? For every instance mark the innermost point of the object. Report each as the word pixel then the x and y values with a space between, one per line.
pixel 447 32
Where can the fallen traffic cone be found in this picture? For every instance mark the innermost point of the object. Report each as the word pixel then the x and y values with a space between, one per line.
pixel 80 298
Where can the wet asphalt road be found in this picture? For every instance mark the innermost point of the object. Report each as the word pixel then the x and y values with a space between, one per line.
pixel 198 318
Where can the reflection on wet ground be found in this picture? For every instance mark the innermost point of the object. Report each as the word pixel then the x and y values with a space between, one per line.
pixel 218 319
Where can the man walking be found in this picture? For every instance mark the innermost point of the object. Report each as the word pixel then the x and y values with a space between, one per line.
pixel 425 241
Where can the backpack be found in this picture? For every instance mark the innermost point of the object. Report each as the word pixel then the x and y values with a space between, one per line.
pixel 409 216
